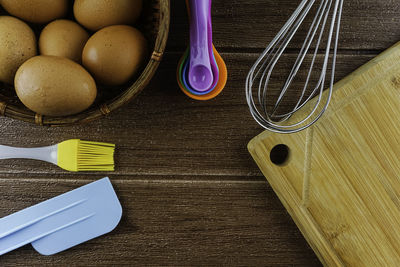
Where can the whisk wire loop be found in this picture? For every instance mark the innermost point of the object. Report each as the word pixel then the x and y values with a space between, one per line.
pixel 261 72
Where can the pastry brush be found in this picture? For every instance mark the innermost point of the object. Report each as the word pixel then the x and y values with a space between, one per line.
pixel 71 155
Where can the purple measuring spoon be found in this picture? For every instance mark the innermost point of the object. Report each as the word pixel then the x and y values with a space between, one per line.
pixel 200 75
pixel 214 65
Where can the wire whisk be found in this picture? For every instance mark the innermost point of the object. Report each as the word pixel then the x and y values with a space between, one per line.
pixel 324 28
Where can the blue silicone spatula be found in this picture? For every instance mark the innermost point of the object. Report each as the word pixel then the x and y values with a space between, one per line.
pixel 64 221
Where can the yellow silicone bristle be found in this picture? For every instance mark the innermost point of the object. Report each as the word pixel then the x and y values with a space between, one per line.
pixel 77 155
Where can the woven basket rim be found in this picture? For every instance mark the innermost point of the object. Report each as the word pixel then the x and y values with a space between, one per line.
pixel 14 112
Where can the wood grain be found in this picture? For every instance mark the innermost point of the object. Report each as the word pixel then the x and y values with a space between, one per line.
pixel 183 137
pixel 348 208
pixel 172 224
pixel 249 25
pixel 191 193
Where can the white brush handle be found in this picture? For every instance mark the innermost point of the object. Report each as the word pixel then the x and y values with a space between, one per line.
pixel 48 153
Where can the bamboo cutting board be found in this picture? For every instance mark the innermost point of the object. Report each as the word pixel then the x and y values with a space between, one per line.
pixel 341 179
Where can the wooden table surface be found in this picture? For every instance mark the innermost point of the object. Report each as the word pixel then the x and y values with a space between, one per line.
pixel 190 192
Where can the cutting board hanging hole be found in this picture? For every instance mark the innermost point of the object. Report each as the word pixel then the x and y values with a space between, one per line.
pixel 280 154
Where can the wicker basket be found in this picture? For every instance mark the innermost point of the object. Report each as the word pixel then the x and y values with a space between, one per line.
pixel 155 25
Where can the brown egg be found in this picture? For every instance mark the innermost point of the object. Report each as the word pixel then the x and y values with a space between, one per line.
pixel 96 14
pixel 54 86
pixel 36 11
pixel 63 38
pixel 17 44
pixel 114 54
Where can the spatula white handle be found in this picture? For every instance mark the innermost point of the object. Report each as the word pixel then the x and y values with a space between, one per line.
pixel 48 153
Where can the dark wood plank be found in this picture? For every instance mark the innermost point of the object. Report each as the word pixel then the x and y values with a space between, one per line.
pixel 190 191
pixel 241 24
pixel 163 132
pixel 178 223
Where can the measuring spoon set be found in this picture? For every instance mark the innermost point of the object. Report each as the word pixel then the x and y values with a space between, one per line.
pixel 201 73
